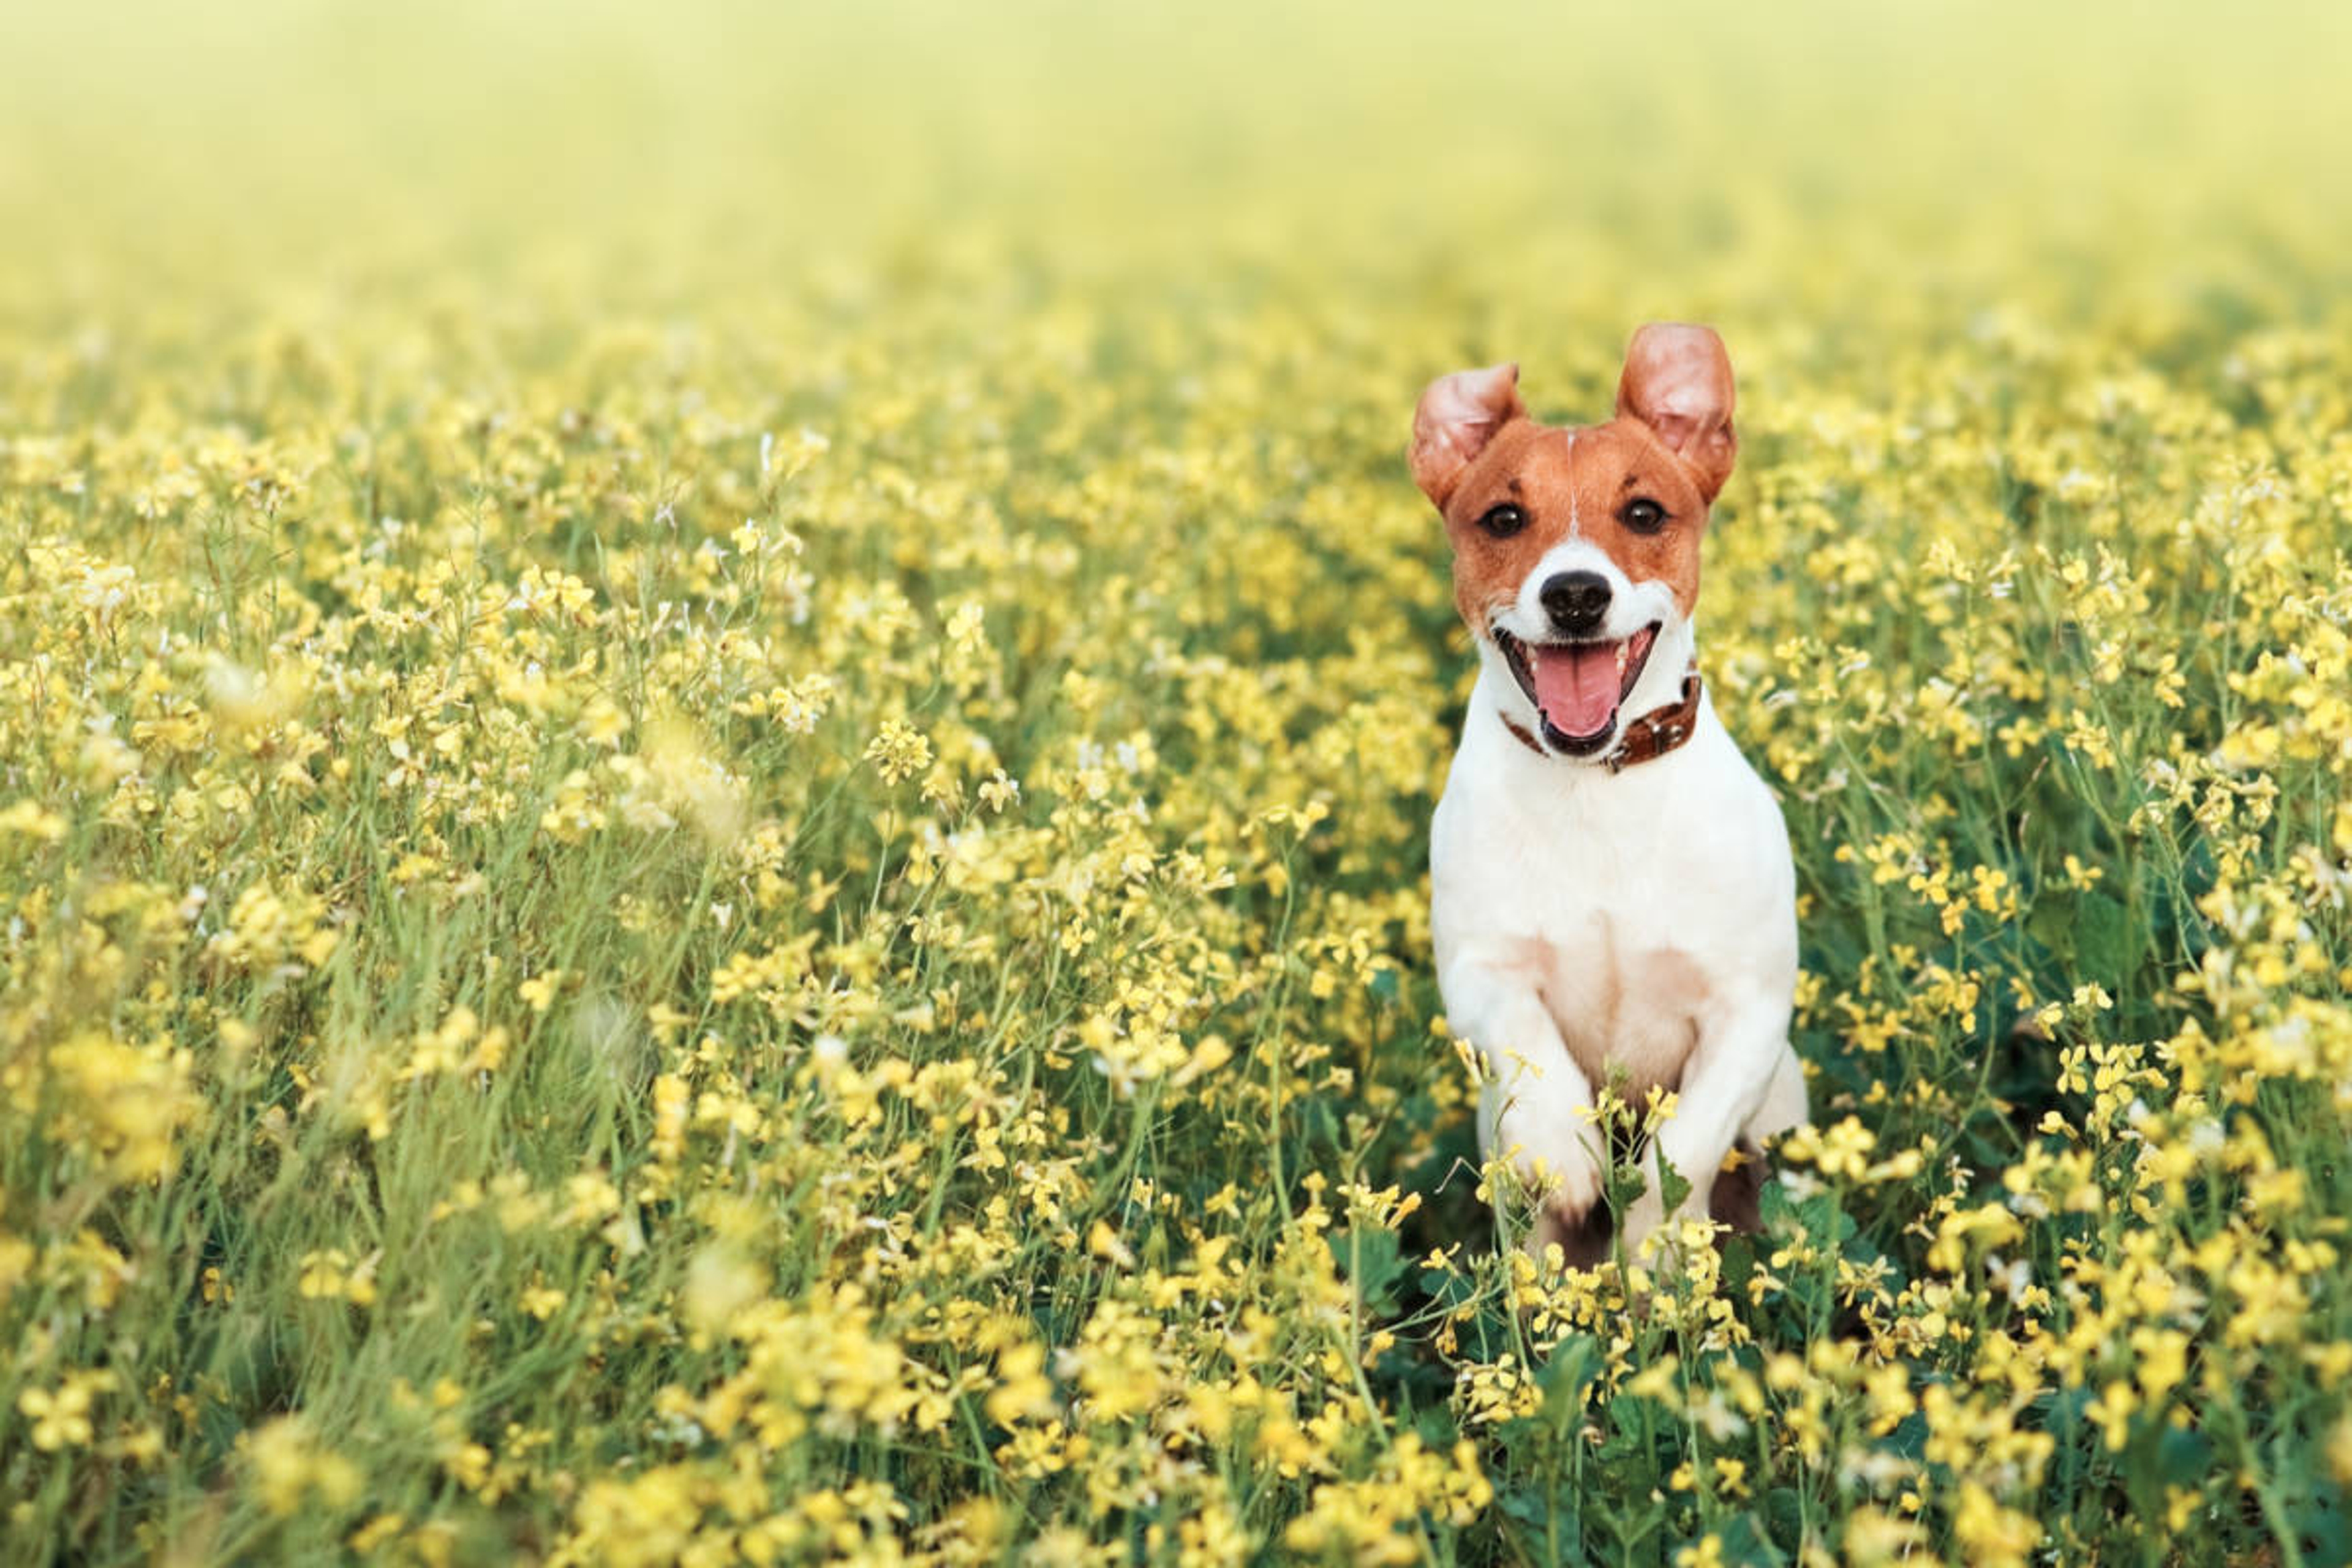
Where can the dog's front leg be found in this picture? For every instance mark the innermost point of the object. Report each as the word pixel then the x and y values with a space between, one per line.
pixel 1537 1108
pixel 1724 1083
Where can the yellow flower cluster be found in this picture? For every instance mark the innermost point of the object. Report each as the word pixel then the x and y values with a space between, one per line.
pixel 714 784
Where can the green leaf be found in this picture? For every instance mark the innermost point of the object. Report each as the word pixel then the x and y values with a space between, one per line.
pixel 1673 1186
pixel 1746 1540
pixel 1373 1260
pixel 2103 939
pixel 2326 1532
pixel 2052 922
pixel 1525 1505
pixel 1574 1362
pixel 2184 1457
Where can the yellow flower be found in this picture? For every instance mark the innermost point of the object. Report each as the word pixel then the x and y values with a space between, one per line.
pixel 60 1417
pixel 290 1466
pixel 898 750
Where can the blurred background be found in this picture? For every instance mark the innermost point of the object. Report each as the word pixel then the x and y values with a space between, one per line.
pixel 1694 157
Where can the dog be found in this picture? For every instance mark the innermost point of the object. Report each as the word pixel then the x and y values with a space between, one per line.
pixel 1612 891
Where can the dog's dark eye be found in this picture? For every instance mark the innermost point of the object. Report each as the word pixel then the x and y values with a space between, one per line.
pixel 1504 520
pixel 1643 515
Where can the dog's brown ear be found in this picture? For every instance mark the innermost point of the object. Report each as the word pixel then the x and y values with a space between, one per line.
pixel 1677 381
pixel 1458 415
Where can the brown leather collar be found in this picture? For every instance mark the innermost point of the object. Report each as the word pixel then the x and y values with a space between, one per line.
pixel 1646 739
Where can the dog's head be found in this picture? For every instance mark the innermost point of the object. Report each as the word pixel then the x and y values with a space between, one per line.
pixel 1576 548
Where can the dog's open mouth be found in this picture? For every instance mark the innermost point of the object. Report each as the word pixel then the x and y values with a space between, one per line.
pixel 1578 687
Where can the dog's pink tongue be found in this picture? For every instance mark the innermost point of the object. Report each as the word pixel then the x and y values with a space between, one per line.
pixel 1576 687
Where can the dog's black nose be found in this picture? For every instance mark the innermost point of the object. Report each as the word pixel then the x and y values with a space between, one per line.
pixel 1576 600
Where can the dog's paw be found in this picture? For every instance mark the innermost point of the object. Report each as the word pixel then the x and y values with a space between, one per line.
pixel 1554 1158
pixel 1643 1216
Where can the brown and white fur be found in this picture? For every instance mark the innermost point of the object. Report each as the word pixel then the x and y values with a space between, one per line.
pixel 1588 919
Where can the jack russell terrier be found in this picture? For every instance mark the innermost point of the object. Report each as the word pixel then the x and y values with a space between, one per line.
pixel 1611 893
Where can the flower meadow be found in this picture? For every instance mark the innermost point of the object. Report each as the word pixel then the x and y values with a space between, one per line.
pixel 717 734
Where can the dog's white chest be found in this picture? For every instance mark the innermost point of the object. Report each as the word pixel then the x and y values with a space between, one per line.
pixel 1626 999
pixel 1640 907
